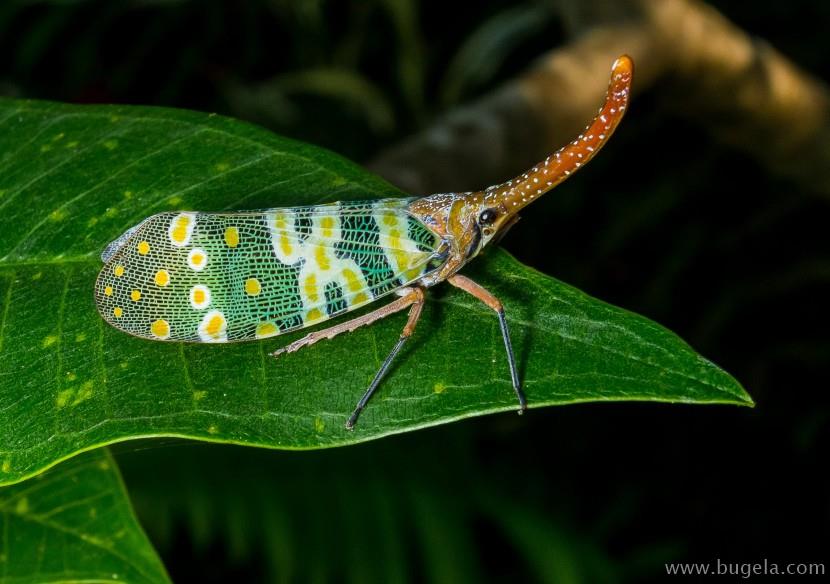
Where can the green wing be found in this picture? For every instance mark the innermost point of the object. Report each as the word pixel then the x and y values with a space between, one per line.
pixel 219 277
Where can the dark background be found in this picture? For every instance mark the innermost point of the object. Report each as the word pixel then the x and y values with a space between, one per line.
pixel 697 236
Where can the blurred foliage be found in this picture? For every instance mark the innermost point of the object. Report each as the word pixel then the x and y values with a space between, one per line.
pixel 74 524
pixel 694 235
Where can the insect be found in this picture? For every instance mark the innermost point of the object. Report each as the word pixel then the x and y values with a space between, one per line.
pixel 238 276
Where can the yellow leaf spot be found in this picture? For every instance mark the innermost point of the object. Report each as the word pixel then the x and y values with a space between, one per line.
pixel 118 271
pixel 143 247
pixel 84 393
pixel 319 424
pixel 57 137
pixel 111 212
pixel 232 236
pixel 439 387
pixel 64 397
pixel 46 148
pixel 70 376
pixel 108 291
pixel 252 287
pixel 266 329
pixel 49 341
pixel 199 395
pixel 160 329
pixel 135 295
pixel 37 276
pixel 7 465
pixel 22 506
pixel 92 221
pixel 80 337
pixel 222 167
pixel 111 144
pixel 117 311
pixel 175 201
pixel 128 194
pixel 162 278
pixel 58 215
pixel 72 144
pixel 213 429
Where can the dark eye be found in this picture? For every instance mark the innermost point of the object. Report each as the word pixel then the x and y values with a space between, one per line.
pixel 487 217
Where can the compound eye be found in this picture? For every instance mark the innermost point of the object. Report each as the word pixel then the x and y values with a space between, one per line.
pixel 487 217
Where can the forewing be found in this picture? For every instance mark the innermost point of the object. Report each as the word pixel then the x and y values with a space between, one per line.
pixel 219 277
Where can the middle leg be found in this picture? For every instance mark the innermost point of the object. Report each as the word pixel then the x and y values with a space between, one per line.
pixel 408 329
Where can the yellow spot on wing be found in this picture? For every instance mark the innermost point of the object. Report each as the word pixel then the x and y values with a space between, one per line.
pixel 213 327
pixel 117 311
pixel 181 227
pixel 200 297
pixel 352 281
pixel 160 329
pixel 285 245
pixel 135 295
pixel 118 271
pixel 197 259
pixel 359 298
pixel 323 260
pixel 232 236
pixel 162 278
pixel 143 248
pixel 313 315
pixel 311 288
pixel 266 329
pixel 327 225
pixel 108 291
pixel 252 287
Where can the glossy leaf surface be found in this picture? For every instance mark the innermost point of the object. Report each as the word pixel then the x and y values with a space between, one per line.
pixel 73 178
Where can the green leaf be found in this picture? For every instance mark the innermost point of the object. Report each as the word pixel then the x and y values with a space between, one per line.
pixel 73 178
pixel 74 524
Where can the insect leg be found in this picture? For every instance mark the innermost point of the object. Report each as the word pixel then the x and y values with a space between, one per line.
pixel 414 315
pixel 487 298
pixel 410 296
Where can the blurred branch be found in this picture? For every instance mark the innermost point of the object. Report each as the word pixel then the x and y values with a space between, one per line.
pixel 738 87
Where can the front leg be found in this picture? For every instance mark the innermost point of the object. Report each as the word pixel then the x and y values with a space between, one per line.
pixel 409 296
pixel 464 283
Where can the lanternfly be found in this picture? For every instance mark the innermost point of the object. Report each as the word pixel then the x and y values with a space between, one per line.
pixel 238 276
